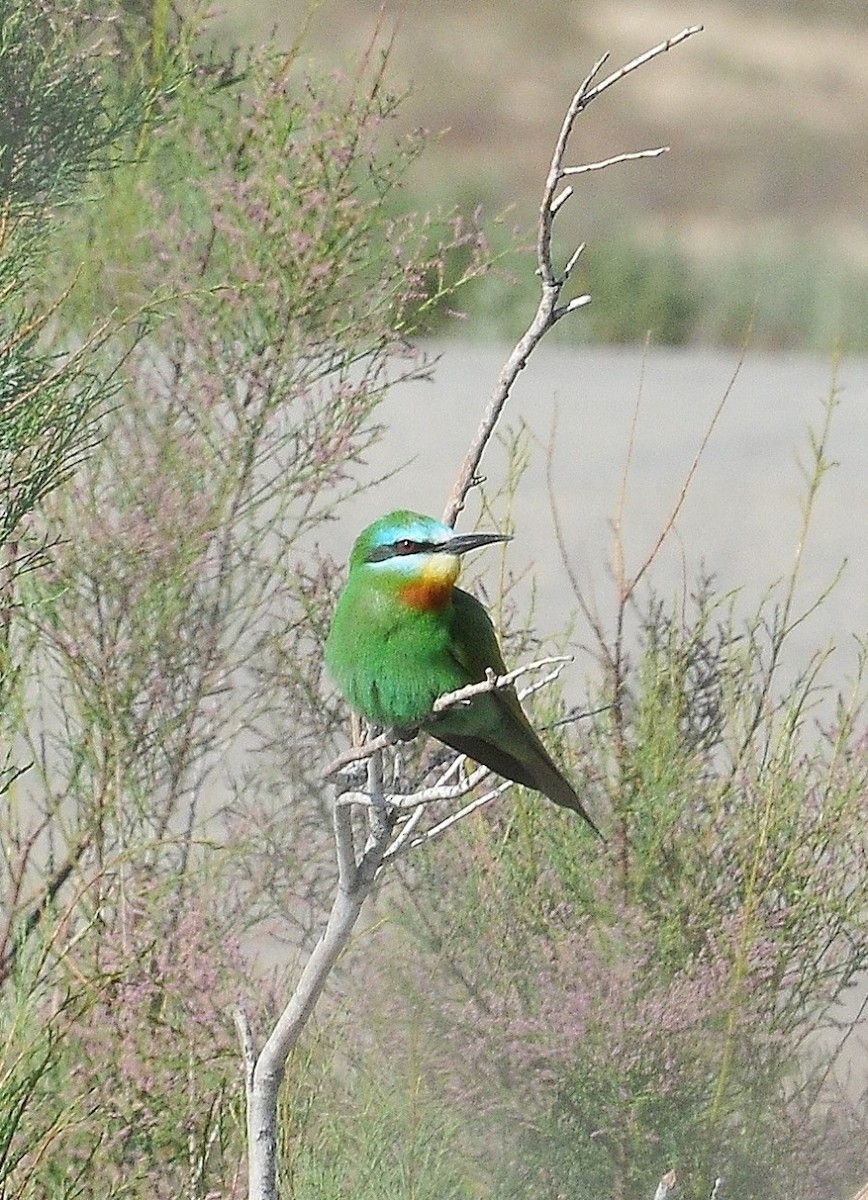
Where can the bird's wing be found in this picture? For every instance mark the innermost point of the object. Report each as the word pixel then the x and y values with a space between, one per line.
pixel 514 750
pixel 474 643
pixel 475 647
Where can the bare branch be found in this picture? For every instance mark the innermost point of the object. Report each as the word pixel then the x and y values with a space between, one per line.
pixel 635 63
pixel 405 842
pixel 378 814
pixel 617 158
pixel 356 874
pixel 550 309
pixel 496 683
pixel 345 849
pixel 399 802
pixel 439 792
pixel 573 259
pixel 406 833
pixel 576 302
pixel 353 800
pixel 354 885
pixel 561 198
pixel 389 737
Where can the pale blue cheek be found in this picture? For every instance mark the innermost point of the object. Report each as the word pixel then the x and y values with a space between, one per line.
pixel 411 566
pixel 402 564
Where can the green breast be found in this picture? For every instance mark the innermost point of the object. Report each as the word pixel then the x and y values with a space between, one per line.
pixel 390 662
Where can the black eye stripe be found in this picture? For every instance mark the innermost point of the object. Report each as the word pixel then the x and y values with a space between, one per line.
pixel 401 547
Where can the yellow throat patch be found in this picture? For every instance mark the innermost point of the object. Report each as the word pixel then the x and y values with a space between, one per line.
pixel 431 590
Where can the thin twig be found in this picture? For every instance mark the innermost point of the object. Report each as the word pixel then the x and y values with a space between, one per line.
pixel 685 486
pixel 618 523
pixel 356 878
pixel 573 261
pixel 438 792
pixel 355 754
pixel 401 845
pixel 549 310
pixel 406 833
pixel 560 199
pixel 617 158
pixel 635 63
pixel 497 683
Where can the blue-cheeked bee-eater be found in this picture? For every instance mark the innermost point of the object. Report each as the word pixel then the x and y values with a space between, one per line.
pixel 404 634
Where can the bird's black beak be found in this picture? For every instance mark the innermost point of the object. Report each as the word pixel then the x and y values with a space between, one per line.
pixel 462 542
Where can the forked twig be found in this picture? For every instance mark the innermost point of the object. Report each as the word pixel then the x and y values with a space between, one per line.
pixel 356 754
pixel 405 842
pixel 550 309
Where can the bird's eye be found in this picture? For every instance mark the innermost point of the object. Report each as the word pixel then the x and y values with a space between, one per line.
pixel 406 546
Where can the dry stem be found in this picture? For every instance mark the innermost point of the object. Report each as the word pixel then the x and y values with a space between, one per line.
pixel 550 309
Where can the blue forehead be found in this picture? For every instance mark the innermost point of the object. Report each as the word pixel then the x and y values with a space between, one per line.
pixel 413 526
pixel 395 527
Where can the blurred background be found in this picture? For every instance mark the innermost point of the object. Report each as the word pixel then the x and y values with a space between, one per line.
pixel 759 208
pixel 207 290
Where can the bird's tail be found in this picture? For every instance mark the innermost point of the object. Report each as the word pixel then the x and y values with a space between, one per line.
pixel 535 769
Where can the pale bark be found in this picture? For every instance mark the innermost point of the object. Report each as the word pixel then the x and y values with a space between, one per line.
pixel 264 1070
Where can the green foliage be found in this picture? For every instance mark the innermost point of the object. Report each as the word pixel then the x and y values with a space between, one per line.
pixel 58 125
pixel 58 121
pixel 261 301
pixel 379 1135
pixel 56 128
pixel 638 289
pixel 48 408
pixel 279 300
pixel 40 1109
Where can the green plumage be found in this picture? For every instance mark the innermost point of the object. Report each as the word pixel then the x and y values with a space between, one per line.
pixel 391 659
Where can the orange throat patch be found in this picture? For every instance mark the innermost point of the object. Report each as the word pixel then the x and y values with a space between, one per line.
pixel 431 590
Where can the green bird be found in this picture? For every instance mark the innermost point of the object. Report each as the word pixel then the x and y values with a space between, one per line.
pixel 403 634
